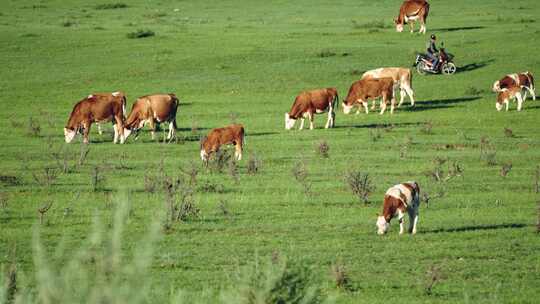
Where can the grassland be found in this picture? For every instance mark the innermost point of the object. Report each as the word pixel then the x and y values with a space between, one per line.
pixel 245 61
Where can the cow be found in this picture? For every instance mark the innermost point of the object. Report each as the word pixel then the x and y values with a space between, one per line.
pixel 410 11
pixel 401 76
pixel 509 93
pixel 152 110
pixel 97 108
pixel 401 198
pixel 232 134
pixel 309 103
pixel 365 89
pixel 523 80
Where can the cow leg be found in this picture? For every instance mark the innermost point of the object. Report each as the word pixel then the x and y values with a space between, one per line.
pixel 383 105
pixel 152 128
pixel 329 120
pixel 373 104
pixel 519 100
pixel 392 105
pixel 86 131
pixel 507 102
pixel 99 128
pixel 410 92
pixel 310 117
pixel 238 151
pixel 365 104
pixel 171 131
pixel 401 96
pixel 400 220
pixel 120 124
pixel 411 24
pixel 413 220
pixel 301 123
pixel 333 119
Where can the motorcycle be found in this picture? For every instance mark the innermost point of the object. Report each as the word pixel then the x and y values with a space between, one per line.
pixel 445 66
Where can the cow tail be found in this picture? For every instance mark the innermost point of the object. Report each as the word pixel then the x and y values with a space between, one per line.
pixel 426 10
pixel 335 102
pixel 176 104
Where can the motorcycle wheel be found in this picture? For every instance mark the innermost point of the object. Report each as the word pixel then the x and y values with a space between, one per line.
pixel 448 68
pixel 421 68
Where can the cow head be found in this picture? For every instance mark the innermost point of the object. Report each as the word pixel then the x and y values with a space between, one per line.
pixel 204 150
pixel 382 225
pixel 496 86
pixel 499 106
pixel 346 107
pixel 69 134
pixel 289 122
pixel 399 25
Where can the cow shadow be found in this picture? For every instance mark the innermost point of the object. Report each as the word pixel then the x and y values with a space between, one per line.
pixel 473 66
pixel 439 104
pixel 461 28
pixel 260 133
pixel 380 125
pixel 478 228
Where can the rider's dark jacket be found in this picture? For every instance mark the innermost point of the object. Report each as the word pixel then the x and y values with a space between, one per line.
pixel 431 48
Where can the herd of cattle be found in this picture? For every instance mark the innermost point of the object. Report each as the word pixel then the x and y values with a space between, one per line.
pixel 376 84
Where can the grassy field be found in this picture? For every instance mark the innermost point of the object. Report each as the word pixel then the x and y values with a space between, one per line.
pixel 245 61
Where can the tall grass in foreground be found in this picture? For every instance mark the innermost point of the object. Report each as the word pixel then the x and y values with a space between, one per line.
pixel 99 272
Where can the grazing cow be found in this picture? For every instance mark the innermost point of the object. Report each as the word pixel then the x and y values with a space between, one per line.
pixel 365 89
pixel 401 76
pixel 523 80
pixel 309 103
pixel 97 108
pixel 504 96
pixel 152 110
pixel 232 134
pixel 410 11
pixel 399 199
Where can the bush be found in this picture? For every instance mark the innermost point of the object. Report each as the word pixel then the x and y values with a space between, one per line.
pixel 140 34
pixel 360 184
pixel 110 6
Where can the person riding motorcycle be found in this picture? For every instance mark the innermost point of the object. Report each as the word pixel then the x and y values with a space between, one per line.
pixel 432 52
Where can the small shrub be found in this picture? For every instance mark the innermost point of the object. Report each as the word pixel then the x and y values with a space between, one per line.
pixel 223 209
pixel 473 91
pixel 140 34
pixel 209 187
pixel 371 25
pixel 322 149
pixel 340 276
pixel 10 180
pixel 253 164
pixel 300 173
pixel 325 53
pixel 537 180
pixel 427 128
pixel 375 134
pixel 45 177
pixel 434 276
pixel 151 182
pixel 97 178
pixel 360 184
pixel 4 200
pixel 506 169
pixel 439 174
pixel 110 6
pixel 508 132
pixel 274 282
pixel 487 152
pixel 34 128
pixel 43 210
pixel 233 170
pixel 83 153
pixel 191 173
pixel 220 160
pixel 68 23
pixel 8 292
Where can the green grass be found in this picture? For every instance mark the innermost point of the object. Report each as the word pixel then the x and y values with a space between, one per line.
pixel 246 61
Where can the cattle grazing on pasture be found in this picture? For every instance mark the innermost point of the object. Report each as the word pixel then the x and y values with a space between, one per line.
pixel 409 12
pixel 152 110
pixel 401 76
pixel 97 108
pixel 508 94
pixel 523 80
pixel 232 134
pixel 401 198
pixel 365 89
pixel 309 103
pixel 98 125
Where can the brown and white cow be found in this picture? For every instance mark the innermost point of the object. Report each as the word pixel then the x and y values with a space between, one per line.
pixel 309 103
pixel 398 200
pixel 508 94
pixel 523 80
pixel 365 89
pixel 410 11
pixel 95 108
pixel 232 134
pixel 401 76
pixel 152 110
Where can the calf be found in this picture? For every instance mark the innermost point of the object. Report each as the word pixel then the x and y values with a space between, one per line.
pixel 93 109
pixel 523 80
pixel 365 89
pixel 401 77
pixel 410 11
pixel 399 199
pixel 152 110
pixel 313 102
pixel 510 93
pixel 232 134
